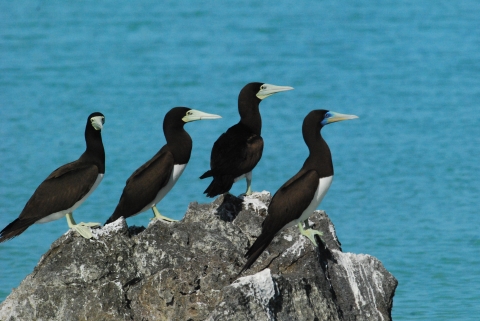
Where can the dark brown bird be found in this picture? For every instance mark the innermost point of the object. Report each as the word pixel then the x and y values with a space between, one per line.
pixel 237 151
pixel 296 200
pixel 66 188
pixel 149 184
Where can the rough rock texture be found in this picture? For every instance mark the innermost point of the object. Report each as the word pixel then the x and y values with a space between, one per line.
pixel 187 270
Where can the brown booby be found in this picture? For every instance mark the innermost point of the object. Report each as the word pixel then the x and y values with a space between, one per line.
pixel 66 188
pixel 237 151
pixel 296 200
pixel 149 184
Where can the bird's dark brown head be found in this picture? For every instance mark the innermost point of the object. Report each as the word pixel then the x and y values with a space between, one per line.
pixel 319 118
pixel 249 92
pixel 93 137
pixel 179 116
pixel 174 116
pixel 249 100
pixel 260 91
pixel 316 117
pixel 178 140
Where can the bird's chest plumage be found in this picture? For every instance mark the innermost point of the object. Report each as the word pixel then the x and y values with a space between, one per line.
pixel 174 176
pixel 322 189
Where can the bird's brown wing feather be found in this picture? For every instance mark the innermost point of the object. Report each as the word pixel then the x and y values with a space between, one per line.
pixel 290 201
pixel 144 184
pixel 287 204
pixel 236 153
pixel 61 190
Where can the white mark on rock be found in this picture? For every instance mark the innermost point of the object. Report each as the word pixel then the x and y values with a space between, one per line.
pixel 296 248
pixel 360 269
pixel 254 202
pixel 345 260
pixel 288 237
pixel 260 286
pixel 108 229
pixel 331 228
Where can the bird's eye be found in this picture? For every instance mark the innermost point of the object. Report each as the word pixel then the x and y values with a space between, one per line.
pixel 103 120
pixel 263 87
pixel 189 113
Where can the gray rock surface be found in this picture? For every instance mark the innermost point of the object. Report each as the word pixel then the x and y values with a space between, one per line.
pixel 187 270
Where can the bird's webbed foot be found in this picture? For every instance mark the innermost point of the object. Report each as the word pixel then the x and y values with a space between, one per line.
pixel 159 216
pixel 308 232
pixel 81 228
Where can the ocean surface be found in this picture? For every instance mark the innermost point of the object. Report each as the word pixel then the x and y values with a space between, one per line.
pixel 407 172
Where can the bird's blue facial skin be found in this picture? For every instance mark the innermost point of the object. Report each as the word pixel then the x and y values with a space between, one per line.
pixel 325 118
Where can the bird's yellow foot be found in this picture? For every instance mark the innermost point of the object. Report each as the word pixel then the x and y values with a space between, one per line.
pixel 82 228
pixel 310 233
pixel 159 216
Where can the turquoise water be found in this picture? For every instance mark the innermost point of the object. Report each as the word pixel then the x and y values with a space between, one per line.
pixel 406 172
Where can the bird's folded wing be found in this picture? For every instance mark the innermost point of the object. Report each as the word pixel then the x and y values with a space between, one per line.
pixel 236 154
pixel 144 184
pixel 291 200
pixel 61 190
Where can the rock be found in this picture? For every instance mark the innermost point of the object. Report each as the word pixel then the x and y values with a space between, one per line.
pixel 188 270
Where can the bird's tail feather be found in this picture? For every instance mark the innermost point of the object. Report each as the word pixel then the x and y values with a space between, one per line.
pixel 15 228
pixel 219 185
pixel 206 174
pixel 256 250
pixel 115 216
pixel 110 220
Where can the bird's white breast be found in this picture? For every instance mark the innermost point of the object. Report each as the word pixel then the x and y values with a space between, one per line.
pixel 248 176
pixel 176 173
pixel 322 189
pixel 58 215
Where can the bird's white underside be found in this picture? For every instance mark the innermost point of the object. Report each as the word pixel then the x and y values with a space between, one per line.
pixel 247 175
pixel 322 189
pixel 176 173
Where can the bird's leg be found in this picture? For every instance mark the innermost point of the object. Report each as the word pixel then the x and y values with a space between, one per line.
pixel 248 176
pixel 308 232
pixel 249 190
pixel 82 228
pixel 307 225
pixel 159 216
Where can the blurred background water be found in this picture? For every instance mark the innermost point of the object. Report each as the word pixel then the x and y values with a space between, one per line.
pixel 406 173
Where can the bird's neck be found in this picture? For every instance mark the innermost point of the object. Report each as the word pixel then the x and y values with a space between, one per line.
pixel 320 157
pixel 95 153
pixel 250 115
pixel 179 143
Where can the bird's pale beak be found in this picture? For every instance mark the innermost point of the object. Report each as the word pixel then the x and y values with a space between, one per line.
pixel 332 117
pixel 267 90
pixel 194 114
